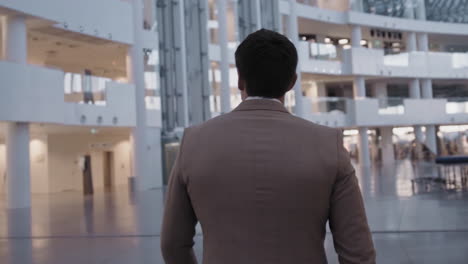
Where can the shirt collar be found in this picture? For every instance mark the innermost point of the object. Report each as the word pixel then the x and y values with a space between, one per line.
pixel 262 98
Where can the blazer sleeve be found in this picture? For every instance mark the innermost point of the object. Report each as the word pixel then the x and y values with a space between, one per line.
pixel 348 222
pixel 179 221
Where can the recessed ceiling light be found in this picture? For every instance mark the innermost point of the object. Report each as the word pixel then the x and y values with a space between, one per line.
pixel 327 40
pixel 343 41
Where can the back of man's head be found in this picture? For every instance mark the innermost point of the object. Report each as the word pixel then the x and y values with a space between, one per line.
pixel 266 62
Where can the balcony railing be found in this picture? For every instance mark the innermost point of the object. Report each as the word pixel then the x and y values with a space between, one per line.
pixel 329 105
pixel 391 106
pixel 457 105
pixel 85 89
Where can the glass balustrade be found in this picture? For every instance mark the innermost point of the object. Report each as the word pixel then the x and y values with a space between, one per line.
pixel 391 106
pixel 85 89
pixel 333 105
pixel 457 105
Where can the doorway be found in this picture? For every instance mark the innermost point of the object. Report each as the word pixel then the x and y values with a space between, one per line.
pixel 108 170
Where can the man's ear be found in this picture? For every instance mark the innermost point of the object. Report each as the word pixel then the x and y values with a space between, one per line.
pixel 293 82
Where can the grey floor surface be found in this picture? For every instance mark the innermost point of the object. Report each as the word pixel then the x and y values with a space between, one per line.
pixel 409 225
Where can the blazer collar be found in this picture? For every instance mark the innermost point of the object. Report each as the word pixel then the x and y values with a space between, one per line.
pixel 261 104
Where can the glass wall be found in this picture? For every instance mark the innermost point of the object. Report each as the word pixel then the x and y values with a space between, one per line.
pixel 431 10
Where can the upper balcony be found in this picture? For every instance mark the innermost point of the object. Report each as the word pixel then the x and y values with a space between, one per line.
pixel 372 112
pixel 434 65
pixel 438 17
pixel 42 95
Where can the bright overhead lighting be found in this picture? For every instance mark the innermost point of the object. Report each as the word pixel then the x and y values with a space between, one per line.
pixel 363 42
pixel 343 41
pixel 346 46
pixel 396 44
pixel 327 40
pixel 304 38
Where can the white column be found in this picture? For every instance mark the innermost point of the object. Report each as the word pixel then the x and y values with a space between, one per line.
pixel 356 37
pixel 258 13
pixel 388 154
pixel 15 44
pixel 431 135
pixel 359 87
pixel 364 154
pixel 415 93
pixel 409 10
pixel 183 55
pixel 414 89
pixel 426 88
pixel 224 63
pixel 17 134
pixel 431 138
pixel 423 42
pixel 135 71
pixel 18 166
pixel 420 9
pixel 294 36
pixel 411 44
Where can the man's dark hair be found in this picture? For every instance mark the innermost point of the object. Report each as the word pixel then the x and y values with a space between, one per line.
pixel 267 61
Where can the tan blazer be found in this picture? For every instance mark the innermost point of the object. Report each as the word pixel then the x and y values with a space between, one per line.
pixel 263 184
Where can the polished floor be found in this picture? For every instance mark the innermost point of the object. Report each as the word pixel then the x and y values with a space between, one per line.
pixel 409 225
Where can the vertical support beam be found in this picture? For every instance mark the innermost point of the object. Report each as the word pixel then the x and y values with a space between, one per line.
pixel 356 36
pixel 431 134
pixel 388 154
pixel 414 89
pixel 15 44
pixel 18 166
pixel 426 88
pixel 198 65
pixel 183 62
pixel 258 14
pixel 135 64
pixel 420 10
pixel 359 87
pixel 364 153
pixel 270 15
pixel 411 42
pixel 294 36
pixel 224 63
pixel 423 42
pixel 17 134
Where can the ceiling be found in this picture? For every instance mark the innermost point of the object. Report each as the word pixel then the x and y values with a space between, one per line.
pixel 73 52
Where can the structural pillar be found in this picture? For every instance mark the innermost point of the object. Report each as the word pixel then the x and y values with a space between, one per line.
pixel 135 73
pixel 356 36
pixel 364 153
pixel 411 42
pixel 423 42
pixel 420 10
pixel 224 63
pixel 294 36
pixel 388 153
pixel 427 93
pixel 17 134
pixel 431 133
pixel 359 87
pixel 18 166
